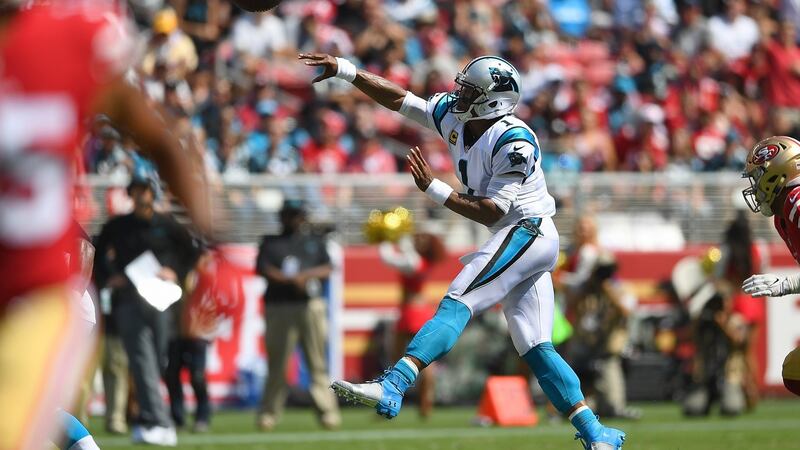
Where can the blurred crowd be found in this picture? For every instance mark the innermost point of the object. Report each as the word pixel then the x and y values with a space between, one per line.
pixel 698 349
pixel 656 85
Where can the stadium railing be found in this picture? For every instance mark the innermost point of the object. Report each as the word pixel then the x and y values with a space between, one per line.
pixel 633 210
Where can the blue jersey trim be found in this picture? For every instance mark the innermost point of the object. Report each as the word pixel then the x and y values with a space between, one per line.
pixel 515 134
pixel 439 111
pixel 515 244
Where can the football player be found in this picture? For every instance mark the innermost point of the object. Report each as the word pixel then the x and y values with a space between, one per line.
pixel 773 169
pixel 75 436
pixel 60 63
pixel 498 161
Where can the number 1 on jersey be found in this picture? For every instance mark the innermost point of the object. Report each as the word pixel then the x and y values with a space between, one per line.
pixel 462 169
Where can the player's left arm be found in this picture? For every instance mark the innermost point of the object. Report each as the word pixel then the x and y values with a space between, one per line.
pixel 483 210
pixel 511 164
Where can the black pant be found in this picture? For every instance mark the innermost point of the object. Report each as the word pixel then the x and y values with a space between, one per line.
pixel 145 333
pixel 189 353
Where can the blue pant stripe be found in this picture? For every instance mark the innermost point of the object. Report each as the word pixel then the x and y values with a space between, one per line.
pixel 513 247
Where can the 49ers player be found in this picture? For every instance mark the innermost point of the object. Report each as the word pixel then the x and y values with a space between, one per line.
pixel 60 63
pixel 773 168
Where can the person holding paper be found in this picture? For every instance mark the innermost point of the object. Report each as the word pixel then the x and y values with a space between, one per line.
pixel 134 251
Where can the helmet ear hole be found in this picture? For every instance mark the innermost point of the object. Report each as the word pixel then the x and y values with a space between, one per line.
pixel 493 104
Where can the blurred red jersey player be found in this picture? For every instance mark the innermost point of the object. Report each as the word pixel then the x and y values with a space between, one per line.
pixel 60 63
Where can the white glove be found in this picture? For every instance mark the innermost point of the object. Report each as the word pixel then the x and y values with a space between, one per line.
pixel 769 285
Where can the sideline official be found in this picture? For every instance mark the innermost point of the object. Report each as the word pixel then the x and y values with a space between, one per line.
pixel 296 264
pixel 144 330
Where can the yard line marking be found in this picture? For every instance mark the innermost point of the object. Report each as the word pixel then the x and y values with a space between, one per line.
pixel 447 433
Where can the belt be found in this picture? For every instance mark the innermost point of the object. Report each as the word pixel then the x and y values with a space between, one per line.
pixel 532 224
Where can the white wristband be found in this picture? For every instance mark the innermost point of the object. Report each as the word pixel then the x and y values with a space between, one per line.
pixel 439 191
pixel 793 282
pixel 345 70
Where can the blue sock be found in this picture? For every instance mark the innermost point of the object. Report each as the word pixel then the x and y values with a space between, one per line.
pixel 587 424
pixel 556 377
pixel 406 372
pixel 74 430
pixel 561 386
pixel 440 334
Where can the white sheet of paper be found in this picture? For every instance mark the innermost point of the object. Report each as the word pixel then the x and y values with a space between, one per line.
pixel 143 273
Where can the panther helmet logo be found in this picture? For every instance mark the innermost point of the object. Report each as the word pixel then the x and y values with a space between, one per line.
pixel 765 154
pixel 503 80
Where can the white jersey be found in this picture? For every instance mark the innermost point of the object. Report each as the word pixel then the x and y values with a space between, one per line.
pixel 513 267
pixel 503 164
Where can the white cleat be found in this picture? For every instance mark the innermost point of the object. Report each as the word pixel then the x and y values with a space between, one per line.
pixel 385 394
pixel 156 435
pixel 368 394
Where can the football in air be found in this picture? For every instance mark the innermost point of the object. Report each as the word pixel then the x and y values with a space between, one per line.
pixel 256 5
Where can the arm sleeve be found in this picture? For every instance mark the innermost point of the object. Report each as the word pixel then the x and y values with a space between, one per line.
pixel 511 164
pixel 428 113
pixel 415 109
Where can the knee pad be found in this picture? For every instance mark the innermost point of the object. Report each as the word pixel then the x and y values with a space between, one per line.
pixel 440 334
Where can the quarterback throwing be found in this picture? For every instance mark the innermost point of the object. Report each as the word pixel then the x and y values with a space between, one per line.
pixel 498 161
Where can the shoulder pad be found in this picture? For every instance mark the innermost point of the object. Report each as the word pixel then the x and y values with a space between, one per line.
pixel 516 134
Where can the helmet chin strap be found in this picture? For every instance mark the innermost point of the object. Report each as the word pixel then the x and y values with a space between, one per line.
pixel 469 118
pixel 474 117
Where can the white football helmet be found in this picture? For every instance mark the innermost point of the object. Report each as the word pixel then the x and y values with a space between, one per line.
pixel 488 87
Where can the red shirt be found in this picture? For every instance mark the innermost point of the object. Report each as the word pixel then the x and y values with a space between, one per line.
pixel 788 223
pixel 323 159
pixel 783 86
pixel 378 160
pixel 709 142
pixel 219 293
pixel 414 314
pixel 54 59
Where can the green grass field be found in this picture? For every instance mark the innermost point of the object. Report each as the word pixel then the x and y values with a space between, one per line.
pixel 775 425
